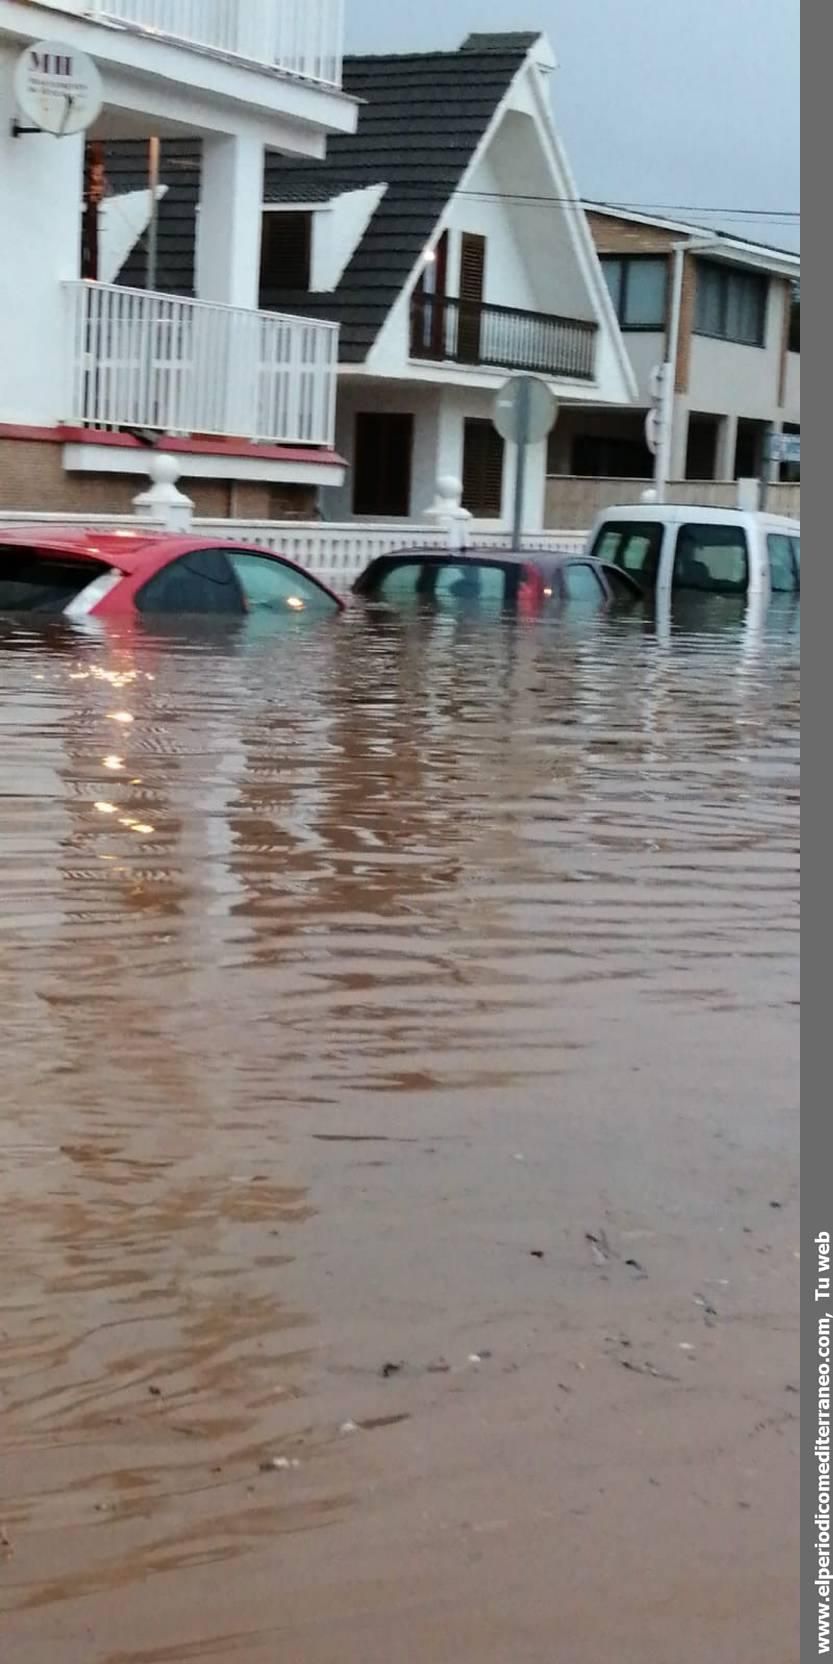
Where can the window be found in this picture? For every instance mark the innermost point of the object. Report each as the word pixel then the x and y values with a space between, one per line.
pixel 712 558
pixel 483 453
pixel 634 548
pixel 731 304
pixel 784 568
pixel 750 447
pixel 446 583
pixel 701 447
pixel 581 583
pixel 285 252
pixel 614 459
pixel 271 585
pixel 795 318
pixel 32 581
pixel 638 287
pixel 202 582
pixel 382 463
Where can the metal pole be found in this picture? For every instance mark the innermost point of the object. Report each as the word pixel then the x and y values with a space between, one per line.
pixel 520 474
pixel 662 472
pixel 153 224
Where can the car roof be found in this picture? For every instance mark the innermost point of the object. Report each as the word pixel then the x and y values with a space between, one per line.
pixel 441 552
pixel 129 551
pixel 697 514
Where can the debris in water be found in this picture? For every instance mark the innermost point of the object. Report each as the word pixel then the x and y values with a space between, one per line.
pixel 349 1427
pixel 279 1464
pixel 634 1265
pixel 387 1371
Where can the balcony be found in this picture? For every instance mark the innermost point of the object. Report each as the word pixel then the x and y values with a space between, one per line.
pixel 502 338
pixel 297 37
pixel 138 359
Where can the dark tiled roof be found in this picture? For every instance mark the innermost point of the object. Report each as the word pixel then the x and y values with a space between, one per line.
pixel 423 116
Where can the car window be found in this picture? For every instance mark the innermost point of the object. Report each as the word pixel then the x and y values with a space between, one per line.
pixel 272 585
pixel 635 547
pixel 712 558
pixel 34 580
pixel 581 583
pixel 200 582
pixel 783 566
pixel 447 583
pixel 622 588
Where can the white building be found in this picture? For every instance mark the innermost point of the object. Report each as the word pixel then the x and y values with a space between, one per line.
pixel 445 239
pixel 92 371
pixel 738 367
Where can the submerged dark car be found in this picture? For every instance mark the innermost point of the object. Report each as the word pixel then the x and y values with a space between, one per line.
pixel 491 581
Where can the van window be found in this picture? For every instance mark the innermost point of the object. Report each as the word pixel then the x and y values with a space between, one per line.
pixel 713 558
pixel 634 547
pixel 784 569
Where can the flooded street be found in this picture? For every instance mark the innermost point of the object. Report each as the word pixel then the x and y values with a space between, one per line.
pixel 398 1146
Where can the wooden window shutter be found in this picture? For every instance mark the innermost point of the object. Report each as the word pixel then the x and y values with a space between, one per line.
pixel 483 453
pixel 472 280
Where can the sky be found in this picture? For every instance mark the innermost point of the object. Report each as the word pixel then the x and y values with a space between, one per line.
pixel 672 102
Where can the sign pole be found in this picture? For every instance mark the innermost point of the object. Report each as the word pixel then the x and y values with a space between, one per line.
pixel 520 473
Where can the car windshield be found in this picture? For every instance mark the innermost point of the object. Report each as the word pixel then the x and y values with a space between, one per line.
pixel 42 580
pixel 445 584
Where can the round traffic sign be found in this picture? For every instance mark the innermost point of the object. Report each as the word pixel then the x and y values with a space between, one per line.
pixel 525 410
pixel 58 88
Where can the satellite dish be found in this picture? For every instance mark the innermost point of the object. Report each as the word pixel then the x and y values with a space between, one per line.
pixel 58 88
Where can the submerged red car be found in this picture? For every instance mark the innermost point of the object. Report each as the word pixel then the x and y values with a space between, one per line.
pixel 119 574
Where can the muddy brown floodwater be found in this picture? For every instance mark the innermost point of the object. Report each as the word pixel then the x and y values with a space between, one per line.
pixel 398 1198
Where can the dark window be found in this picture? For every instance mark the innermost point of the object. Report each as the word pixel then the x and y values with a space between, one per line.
pixel 31 581
pixel 613 459
pixel 285 252
pixel 713 558
pixel 482 469
pixel 581 583
pixel 635 548
pixel 382 463
pixel 701 452
pixel 414 582
pixel 638 287
pixel 271 585
pixel 784 569
pixel 795 318
pixel 749 449
pixel 202 582
pixel 731 304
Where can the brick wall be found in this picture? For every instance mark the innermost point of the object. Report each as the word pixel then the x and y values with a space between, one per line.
pixel 615 236
pixel 32 477
pixel 572 503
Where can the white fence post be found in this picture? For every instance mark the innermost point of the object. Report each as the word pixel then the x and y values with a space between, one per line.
pixel 164 504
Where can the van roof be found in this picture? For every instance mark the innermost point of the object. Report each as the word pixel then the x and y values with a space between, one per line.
pixel 700 514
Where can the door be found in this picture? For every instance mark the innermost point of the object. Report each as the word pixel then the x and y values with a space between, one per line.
pixel 428 324
pixel 384 444
pixel 472 279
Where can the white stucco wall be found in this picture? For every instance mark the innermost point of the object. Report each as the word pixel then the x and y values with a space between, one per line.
pixel 439 415
pixel 337 231
pixel 792 399
pixel 41 181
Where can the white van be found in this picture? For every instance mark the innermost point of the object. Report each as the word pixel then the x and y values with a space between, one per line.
pixel 721 551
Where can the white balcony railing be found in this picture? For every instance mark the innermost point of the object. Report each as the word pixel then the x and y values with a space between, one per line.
pixel 138 359
pixel 299 37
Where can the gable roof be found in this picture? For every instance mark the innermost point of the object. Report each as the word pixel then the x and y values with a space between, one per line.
pixel 423 118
